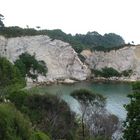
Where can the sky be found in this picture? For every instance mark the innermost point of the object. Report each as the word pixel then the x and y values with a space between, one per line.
pixel 76 16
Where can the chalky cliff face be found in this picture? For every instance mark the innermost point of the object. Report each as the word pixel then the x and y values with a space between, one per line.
pixel 127 58
pixel 61 59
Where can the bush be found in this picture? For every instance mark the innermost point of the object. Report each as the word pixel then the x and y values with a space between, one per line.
pixel 107 72
pixel 111 72
pixel 9 74
pixel 39 136
pixel 18 98
pixel 126 73
pixel 13 125
pixel 10 78
pixel 132 122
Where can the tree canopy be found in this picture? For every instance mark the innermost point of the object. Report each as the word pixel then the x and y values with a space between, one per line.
pixel 91 40
pixel 94 116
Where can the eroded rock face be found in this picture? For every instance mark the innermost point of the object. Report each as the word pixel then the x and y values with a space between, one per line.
pixel 127 58
pixel 61 59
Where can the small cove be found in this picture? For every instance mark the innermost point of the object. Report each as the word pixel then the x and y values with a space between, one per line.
pixel 115 93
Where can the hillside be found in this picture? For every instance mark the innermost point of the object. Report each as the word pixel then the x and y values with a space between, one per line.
pixel 91 40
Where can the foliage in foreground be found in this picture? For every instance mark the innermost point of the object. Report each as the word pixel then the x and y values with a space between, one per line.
pixel 10 78
pixel 15 126
pixel 9 74
pixel 47 113
pixel 132 123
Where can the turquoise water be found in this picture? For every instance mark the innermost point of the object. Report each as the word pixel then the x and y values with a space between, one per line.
pixel 115 93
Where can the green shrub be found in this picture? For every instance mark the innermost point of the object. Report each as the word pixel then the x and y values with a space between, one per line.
pixel 107 72
pixel 9 74
pixel 39 136
pixel 132 122
pixel 10 78
pixel 111 72
pixel 126 73
pixel 18 97
pixel 13 125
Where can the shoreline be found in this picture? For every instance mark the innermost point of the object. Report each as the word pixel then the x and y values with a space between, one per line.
pixel 71 82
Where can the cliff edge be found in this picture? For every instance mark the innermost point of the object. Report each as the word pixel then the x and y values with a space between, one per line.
pixel 61 59
pixel 123 59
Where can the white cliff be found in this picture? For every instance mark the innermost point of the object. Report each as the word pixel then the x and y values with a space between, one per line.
pixel 61 59
pixel 127 58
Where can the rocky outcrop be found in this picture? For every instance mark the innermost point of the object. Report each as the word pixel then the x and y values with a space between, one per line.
pixel 61 59
pixel 127 58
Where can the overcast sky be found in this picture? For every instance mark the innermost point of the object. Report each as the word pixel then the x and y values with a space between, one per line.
pixel 76 16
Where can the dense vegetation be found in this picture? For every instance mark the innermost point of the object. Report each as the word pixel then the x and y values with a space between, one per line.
pixel 132 123
pixel 95 40
pixel 47 113
pixel 10 78
pixel 91 40
pixel 15 126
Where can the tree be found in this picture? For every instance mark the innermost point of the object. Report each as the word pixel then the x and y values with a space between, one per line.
pixel 31 67
pixel 90 103
pixel 132 123
pixel 94 116
pixel 1 20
